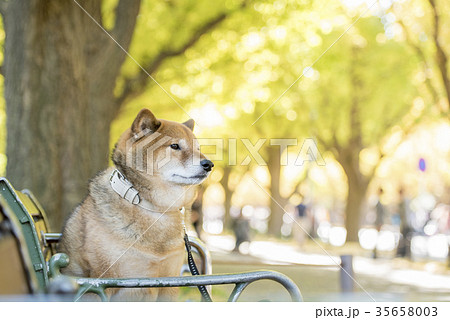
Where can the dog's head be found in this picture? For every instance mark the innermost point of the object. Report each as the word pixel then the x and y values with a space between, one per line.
pixel 160 148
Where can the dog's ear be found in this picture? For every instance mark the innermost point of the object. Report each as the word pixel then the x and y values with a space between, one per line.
pixel 190 124
pixel 145 120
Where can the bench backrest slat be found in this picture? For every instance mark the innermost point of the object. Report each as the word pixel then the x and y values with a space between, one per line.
pixel 31 226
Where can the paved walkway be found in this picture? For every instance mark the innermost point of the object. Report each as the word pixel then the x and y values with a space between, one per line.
pixel 318 275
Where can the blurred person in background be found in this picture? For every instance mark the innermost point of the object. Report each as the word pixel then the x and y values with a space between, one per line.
pixel 380 211
pixel 241 228
pixel 302 224
pixel 404 244
pixel 380 216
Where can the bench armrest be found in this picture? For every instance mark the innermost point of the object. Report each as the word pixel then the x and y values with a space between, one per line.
pixel 240 280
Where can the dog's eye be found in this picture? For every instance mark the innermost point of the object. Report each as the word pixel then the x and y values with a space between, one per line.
pixel 175 146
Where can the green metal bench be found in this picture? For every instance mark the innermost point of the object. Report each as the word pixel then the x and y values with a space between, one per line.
pixel 30 264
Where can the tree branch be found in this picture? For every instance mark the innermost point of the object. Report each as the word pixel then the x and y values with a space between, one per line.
pixel 126 14
pixel 134 86
pixel 110 53
pixel 105 51
pixel 441 57
pixel 354 116
pixel 333 145
pixel 407 129
pixel 422 56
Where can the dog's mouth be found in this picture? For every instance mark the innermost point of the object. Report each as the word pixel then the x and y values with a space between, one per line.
pixel 191 180
pixel 197 177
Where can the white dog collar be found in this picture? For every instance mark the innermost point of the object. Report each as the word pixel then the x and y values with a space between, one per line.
pixel 125 189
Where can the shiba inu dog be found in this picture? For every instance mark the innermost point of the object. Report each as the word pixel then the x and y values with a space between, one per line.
pixel 130 223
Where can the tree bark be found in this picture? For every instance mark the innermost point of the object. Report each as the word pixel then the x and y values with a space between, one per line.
pixel 60 72
pixel 356 195
pixel 277 202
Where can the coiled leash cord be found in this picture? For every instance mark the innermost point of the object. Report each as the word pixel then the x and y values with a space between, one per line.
pixel 194 271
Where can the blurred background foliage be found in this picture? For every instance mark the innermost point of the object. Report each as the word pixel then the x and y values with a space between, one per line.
pixel 374 100
pixel 235 73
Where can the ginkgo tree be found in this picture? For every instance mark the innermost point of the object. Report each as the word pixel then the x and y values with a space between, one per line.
pixel 356 94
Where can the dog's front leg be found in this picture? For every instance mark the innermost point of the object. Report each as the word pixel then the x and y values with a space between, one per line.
pixel 133 294
pixel 168 294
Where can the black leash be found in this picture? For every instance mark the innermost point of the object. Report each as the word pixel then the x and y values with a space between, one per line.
pixel 194 271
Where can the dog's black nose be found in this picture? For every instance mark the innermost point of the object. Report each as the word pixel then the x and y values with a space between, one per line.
pixel 206 164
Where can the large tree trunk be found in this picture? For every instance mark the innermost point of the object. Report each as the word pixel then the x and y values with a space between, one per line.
pixel 355 201
pixel 349 156
pixel 60 71
pixel 277 202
